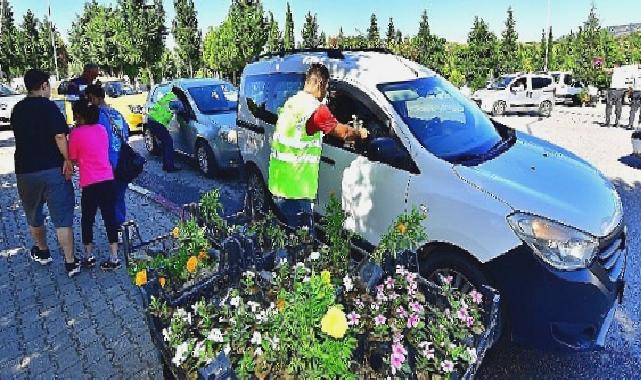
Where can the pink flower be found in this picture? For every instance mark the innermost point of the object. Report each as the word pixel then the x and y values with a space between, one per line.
pixel 427 349
pixel 448 279
pixel 353 318
pixel 375 306
pixel 400 270
pixel 462 314
pixel 389 283
pixel 447 366
pixel 477 297
pixel 410 277
pixel 416 307
pixel 397 361
pixel 380 296
pixel 392 296
pixel 470 321
pixel 398 349
pixel 358 303
pixel 379 320
pixel 412 321
pixel 380 288
pixel 401 312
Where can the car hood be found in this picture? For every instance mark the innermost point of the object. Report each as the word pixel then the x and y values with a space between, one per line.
pixel 540 178
pixel 11 100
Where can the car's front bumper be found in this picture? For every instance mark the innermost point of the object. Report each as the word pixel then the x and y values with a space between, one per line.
pixel 560 310
pixel 228 155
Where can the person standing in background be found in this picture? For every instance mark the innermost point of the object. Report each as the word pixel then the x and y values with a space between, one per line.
pixel 89 74
pixel 635 103
pixel 619 83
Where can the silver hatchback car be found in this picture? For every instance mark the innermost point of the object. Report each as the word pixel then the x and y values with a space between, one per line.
pixel 204 127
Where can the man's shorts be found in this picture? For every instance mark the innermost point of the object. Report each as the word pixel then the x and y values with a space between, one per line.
pixel 50 187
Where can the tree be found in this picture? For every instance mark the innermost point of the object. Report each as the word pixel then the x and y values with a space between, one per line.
pixel 310 31
pixel 187 35
pixel 62 57
pixel 589 46
pixel 30 47
pixel 509 45
pixel 550 47
pixel 340 38
pixel 541 64
pixel 274 39
pixel 399 36
pixel 9 59
pixel 390 36
pixel 481 55
pixel 322 40
pixel 431 49
pixel 288 40
pixel 373 36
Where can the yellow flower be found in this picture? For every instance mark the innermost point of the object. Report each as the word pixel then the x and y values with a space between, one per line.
pixel 280 304
pixel 141 278
pixel 162 281
pixel 326 277
pixel 202 255
pixel 175 232
pixel 334 323
pixel 401 228
pixel 192 263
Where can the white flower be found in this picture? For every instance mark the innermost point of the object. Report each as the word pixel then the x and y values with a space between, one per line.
pixel 253 305
pixel 299 266
pixel 215 335
pixel 181 353
pixel 249 274
pixel 314 256
pixel 199 349
pixel 274 342
pixel 227 349
pixel 347 283
pixel 306 279
pixel 471 353
pixel 189 318
pixel 258 351
pixel 257 339
pixel 235 301
pixel 165 335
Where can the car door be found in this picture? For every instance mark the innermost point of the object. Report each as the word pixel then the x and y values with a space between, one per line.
pixel 518 94
pixel 372 191
pixel 181 124
pixel 541 87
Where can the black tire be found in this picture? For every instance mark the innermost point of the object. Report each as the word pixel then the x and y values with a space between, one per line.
pixel 444 259
pixel 258 196
pixel 205 159
pixel 498 109
pixel 150 142
pixel 545 109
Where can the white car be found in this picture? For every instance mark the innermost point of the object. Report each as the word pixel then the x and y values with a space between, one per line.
pixel 518 93
pixel 8 99
pixel 504 208
pixel 567 89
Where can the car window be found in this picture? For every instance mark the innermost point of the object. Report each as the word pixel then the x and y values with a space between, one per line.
pixel 211 99
pixel 281 88
pixel 255 88
pixel 568 80
pixel 159 93
pixel 540 82
pixel 521 82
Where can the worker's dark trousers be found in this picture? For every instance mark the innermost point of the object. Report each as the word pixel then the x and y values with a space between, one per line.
pixel 160 132
pixel 296 212
pixel 634 108
pixel 614 98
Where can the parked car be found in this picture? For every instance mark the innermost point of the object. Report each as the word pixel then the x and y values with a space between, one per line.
pixel 64 105
pixel 8 99
pixel 505 209
pixel 567 90
pixel 205 127
pixel 518 93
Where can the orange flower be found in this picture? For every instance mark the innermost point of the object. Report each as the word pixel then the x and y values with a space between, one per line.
pixel 202 255
pixel 162 281
pixel 280 304
pixel 401 228
pixel 192 263
pixel 141 278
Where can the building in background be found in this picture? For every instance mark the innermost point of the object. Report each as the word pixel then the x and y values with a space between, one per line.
pixel 624 30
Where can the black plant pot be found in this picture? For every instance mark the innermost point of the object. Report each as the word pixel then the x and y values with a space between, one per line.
pixel 219 369
pixel 370 274
pixel 389 264
pixel 408 259
pixel 378 353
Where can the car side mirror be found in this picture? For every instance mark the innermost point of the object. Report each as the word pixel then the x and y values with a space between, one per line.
pixel 387 150
pixel 177 106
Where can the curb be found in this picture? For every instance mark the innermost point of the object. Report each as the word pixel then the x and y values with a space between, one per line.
pixel 162 201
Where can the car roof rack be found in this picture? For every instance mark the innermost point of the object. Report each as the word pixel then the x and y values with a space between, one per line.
pixel 336 53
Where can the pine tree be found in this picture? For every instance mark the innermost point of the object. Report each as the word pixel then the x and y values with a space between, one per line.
pixel 322 40
pixel 289 40
pixel 187 35
pixel 47 61
pixel 588 47
pixel 310 31
pixel 29 41
pixel 340 38
pixel 550 47
pixel 430 48
pixel 399 36
pixel 274 40
pixel 509 45
pixel 9 59
pixel 390 36
pixel 373 36
pixel 481 60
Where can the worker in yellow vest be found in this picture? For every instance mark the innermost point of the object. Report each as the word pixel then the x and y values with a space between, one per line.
pixel 297 144
pixel 158 120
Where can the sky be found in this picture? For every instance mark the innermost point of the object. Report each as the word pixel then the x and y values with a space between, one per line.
pixel 451 19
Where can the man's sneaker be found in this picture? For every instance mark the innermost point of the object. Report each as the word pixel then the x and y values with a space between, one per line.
pixel 88 262
pixel 110 265
pixel 72 268
pixel 42 257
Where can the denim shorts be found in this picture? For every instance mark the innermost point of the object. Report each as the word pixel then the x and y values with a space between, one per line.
pixel 50 187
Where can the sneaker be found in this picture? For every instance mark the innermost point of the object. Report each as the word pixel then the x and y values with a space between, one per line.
pixel 72 268
pixel 88 262
pixel 110 265
pixel 42 257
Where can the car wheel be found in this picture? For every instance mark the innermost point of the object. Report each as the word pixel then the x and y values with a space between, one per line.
pixel 499 108
pixel 206 160
pixel 545 109
pixel 258 199
pixel 150 142
pixel 443 263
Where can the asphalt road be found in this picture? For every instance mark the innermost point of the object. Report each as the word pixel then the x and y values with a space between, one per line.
pixel 573 128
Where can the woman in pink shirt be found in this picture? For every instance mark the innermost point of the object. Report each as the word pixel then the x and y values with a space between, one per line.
pixel 89 149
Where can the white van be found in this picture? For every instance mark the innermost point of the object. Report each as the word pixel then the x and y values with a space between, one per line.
pixel 506 209
pixel 518 93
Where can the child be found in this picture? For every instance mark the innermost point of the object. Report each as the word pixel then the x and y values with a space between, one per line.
pixel 89 149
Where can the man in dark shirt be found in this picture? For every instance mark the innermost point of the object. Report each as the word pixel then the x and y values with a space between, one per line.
pixel 89 74
pixel 43 169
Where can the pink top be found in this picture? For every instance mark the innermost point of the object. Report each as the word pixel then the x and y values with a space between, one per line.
pixel 89 148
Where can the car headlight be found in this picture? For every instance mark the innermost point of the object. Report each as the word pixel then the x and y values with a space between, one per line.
pixel 135 108
pixel 231 136
pixel 560 246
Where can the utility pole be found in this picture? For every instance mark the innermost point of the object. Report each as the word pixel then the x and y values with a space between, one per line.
pixel 53 43
pixel 547 47
pixel 1 22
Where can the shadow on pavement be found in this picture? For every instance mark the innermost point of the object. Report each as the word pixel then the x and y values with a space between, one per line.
pixel 631 161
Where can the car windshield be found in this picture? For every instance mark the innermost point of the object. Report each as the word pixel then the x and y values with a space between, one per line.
pixel 502 83
pixel 556 77
pixel 6 91
pixel 444 121
pixel 212 99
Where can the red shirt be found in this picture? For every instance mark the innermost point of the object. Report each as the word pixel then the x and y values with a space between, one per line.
pixel 322 120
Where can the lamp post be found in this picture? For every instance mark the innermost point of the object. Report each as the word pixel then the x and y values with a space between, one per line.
pixel 53 43
pixel 547 45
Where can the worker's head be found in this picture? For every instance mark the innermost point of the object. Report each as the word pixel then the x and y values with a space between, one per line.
pixel 90 72
pixel 316 80
pixel 85 112
pixel 95 94
pixel 37 83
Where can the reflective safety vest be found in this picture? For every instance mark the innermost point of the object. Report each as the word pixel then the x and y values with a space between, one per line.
pixel 295 156
pixel 160 111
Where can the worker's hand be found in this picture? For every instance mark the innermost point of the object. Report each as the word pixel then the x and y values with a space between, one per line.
pixel 364 133
pixel 67 169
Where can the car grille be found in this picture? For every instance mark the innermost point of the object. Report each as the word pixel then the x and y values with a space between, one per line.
pixel 612 253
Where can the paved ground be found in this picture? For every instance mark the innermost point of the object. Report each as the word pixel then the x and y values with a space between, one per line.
pixel 91 326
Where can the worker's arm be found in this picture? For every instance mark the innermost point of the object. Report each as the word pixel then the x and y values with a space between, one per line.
pixel 348 133
pixel 261 112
